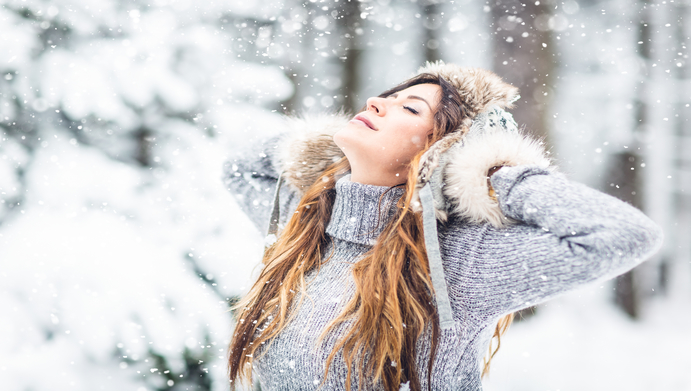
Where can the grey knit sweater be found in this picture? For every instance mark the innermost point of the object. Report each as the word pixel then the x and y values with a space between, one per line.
pixel 567 235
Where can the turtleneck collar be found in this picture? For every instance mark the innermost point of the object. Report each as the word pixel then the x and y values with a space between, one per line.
pixel 356 215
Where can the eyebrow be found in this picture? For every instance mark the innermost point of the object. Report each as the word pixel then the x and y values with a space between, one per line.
pixel 395 95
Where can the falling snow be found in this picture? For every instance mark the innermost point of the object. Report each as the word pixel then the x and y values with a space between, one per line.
pixel 121 251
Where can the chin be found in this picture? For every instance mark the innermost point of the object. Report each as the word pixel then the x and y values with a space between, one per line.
pixel 345 138
pixel 352 148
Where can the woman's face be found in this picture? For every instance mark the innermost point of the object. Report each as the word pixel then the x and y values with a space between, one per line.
pixel 380 141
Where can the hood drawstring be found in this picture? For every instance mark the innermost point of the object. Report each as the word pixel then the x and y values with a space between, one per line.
pixel 436 268
pixel 275 213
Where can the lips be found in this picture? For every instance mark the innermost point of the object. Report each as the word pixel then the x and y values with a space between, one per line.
pixel 365 121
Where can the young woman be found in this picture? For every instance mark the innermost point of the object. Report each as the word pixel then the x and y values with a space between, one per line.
pixel 408 235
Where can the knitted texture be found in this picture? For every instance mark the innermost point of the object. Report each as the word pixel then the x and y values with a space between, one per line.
pixel 566 235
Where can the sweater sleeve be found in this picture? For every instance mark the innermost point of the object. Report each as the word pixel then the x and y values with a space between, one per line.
pixel 251 176
pixel 566 235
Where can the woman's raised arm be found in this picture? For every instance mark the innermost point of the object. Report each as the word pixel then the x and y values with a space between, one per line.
pixel 302 151
pixel 567 235
pixel 251 176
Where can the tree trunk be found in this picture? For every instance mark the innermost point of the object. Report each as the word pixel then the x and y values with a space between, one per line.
pixel 624 182
pixel 646 173
pixel 676 275
pixel 665 156
pixel 348 31
pixel 142 154
pixel 432 20
pixel 524 57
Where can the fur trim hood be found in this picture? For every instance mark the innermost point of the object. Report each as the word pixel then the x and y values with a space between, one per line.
pixel 455 167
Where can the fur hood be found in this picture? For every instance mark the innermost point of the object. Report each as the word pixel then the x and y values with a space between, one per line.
pixel 455 167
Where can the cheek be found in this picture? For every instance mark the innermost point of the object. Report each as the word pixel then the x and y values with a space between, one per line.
pixel 414 139
pixel 404 148
pixel 418 140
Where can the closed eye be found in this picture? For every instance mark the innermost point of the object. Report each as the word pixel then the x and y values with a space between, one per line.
pixel 412 110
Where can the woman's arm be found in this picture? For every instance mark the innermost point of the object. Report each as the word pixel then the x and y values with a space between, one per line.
pixel 251 176
pixel 301 152
pixel 567 235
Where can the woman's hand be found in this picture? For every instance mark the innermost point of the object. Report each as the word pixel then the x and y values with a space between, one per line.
pixel 491 172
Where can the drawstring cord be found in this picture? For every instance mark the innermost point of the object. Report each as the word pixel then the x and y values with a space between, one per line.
pixel 436 269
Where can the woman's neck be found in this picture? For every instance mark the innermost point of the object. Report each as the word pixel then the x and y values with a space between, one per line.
pixel 361 211
pixel 369 176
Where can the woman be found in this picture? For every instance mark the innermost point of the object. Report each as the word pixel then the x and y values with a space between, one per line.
pixel 403 259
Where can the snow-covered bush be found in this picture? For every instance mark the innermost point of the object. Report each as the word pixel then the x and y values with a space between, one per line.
pixel 119 248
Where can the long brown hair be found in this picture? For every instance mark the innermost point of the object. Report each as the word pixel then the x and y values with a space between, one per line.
pixel 391 307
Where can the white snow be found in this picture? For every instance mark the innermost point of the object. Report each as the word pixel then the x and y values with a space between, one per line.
pixel 582 342
pixel 100 260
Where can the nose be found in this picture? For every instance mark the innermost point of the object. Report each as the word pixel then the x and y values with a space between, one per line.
pixel 376 105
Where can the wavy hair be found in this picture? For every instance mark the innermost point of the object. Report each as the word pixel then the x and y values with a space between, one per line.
pixel 391 307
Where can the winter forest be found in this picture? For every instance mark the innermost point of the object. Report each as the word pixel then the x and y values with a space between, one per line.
pixel 121 251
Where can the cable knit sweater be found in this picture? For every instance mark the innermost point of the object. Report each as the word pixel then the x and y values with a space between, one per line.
pixel 567 235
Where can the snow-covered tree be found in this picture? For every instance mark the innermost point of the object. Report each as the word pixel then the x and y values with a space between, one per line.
pixel 119 248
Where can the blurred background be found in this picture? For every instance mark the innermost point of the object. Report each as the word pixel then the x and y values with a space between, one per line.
pixel 120 250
